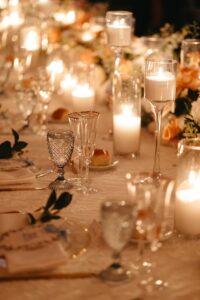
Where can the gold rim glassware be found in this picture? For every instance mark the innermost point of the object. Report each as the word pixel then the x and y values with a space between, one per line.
pixel 60 146
pixel 84 126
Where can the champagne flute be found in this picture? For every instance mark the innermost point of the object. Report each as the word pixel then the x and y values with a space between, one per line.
pixel 84 126
pixel 160 89
pixel 117 225
pixel 60 145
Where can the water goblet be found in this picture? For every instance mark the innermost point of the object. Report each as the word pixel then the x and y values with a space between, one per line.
pixel 60 146
pixel 26 101
pixel 117 225
pixel 160 90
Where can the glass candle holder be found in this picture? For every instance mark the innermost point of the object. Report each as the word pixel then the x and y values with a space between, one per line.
pixel 119 28
pixel 187 203
pixel 190 53
pixel 83 93
pixel 127 118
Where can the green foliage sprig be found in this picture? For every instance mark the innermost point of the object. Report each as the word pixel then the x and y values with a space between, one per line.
pixel 52 207
pixel 7 150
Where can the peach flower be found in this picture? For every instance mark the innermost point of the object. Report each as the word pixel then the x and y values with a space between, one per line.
pixel 171 130
pixel 187 78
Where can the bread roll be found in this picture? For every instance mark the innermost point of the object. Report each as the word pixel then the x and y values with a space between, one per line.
pixel 60 114
pixel 101 157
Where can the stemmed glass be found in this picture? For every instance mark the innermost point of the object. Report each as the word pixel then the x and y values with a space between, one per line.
pixel 153 221
pixel 160 89
pixel 84 123
pixel 44 90
pixel 118 219
pixel 26 101
pixel 60 145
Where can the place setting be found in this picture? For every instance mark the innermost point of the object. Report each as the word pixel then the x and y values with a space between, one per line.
pixel 99 150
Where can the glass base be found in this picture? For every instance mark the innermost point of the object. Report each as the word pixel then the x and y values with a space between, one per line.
pixel 86 190
pixel 61 185
pixel 115 272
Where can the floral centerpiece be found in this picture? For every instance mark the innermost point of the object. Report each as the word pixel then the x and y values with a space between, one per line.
pixel 184 119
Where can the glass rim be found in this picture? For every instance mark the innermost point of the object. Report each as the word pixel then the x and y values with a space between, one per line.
pixel 190 143
pixel 83 114
pixel 162 60
pixel 191 41
pixel 119 13
pixel 59 132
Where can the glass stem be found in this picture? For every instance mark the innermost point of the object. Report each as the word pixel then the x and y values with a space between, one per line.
pixel 86 175
pixel 158 119
pixel 60 173
pixel 116 258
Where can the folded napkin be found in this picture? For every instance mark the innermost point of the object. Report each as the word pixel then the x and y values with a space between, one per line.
pixel 20 176
pixel 12 221
pixel 43 258
pixel 33 248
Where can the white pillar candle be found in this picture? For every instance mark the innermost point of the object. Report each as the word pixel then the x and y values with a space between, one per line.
pixel 160 86
pixel 126 127
pixel 119 34
pixel 30 38
pixel 187 210
pixel 83 98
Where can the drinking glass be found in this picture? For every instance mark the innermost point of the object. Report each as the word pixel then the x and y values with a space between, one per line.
pixel 118 219
pixel 74 123
pixel 5 69
pixel 154 221
pixel 84 126
pixel 60 145
pixel 44 91
pixel 160 90
pixel 190 53
pixel 26 100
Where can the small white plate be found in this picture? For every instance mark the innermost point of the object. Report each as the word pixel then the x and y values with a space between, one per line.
pixel 104 168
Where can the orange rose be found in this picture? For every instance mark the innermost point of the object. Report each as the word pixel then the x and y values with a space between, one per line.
pixel 171 130
pixel 187 78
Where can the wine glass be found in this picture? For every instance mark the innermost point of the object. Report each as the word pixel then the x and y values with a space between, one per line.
pixel 154 222
pixel 118 219
pixel 44 90
pixel 60 145
pixel 160 89
pixel 74 123
pixel 26 100
pixel 84 126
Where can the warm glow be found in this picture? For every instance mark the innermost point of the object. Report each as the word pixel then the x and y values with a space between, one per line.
pixel 68 82
pixel 56 67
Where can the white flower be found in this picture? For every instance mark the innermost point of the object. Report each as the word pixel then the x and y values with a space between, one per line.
pixel 195 111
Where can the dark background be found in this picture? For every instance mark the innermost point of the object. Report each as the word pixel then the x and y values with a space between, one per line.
pixel 150 15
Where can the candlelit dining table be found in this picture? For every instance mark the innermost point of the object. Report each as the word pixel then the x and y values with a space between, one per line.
pixel 177 261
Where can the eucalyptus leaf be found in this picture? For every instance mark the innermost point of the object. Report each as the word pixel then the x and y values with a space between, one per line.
pixel 16 136
pixel 19 146
pixel 48 217
pixel 5 150
pixel 32 220
pixel 51 201
pixel 63 201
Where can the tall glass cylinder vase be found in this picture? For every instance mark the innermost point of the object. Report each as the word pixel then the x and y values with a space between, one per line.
pixel 119 26
pixel 127 117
